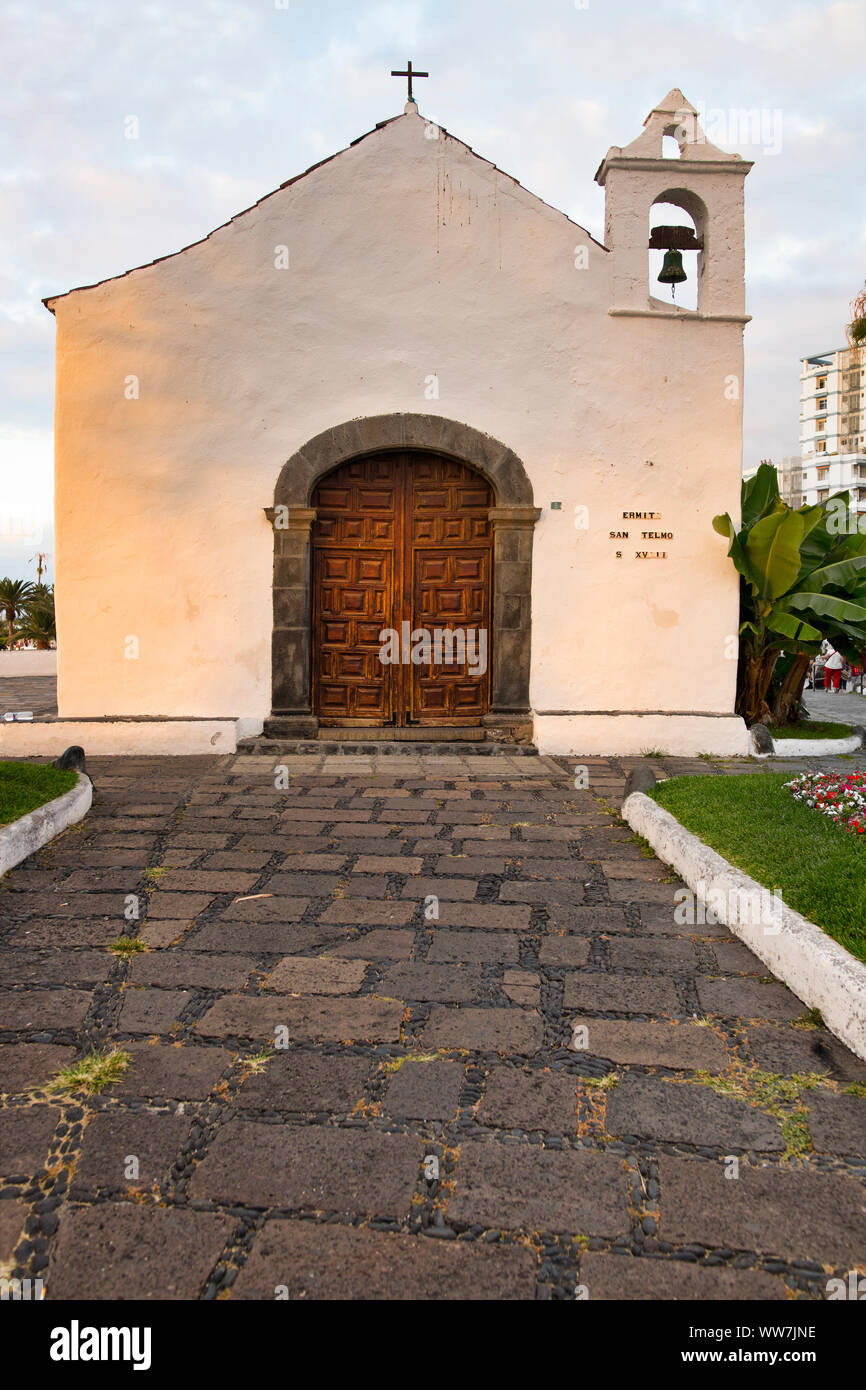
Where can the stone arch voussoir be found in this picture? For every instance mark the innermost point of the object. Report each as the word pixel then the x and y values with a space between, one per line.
pixel 372 434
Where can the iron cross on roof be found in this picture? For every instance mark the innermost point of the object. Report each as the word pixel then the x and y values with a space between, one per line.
pixel 410 74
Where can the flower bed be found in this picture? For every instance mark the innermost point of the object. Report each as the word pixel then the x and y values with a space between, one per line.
pixel 841 796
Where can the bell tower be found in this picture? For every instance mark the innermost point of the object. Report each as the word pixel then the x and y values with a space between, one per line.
pixel 707 183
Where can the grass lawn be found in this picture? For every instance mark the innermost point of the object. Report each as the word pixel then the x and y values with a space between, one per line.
pixel 752 821
pixel 24 786
pixel 812 728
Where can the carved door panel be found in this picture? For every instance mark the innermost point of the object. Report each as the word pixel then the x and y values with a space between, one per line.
pixel 449 539
pixel 401 543
pixel 354 590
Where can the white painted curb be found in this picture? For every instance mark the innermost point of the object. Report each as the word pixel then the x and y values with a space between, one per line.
pixel 31 832
pixel 815 747
pixel 819 971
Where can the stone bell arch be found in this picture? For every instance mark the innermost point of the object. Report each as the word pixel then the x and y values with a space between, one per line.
pixel 706 182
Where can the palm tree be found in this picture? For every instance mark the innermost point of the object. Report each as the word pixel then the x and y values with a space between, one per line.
pixel 38 622
pixel 857 326
pixel 15 594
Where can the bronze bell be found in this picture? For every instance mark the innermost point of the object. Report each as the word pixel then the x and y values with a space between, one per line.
pixel 672 272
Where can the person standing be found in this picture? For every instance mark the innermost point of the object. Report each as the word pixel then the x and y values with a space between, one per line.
pixel 833 670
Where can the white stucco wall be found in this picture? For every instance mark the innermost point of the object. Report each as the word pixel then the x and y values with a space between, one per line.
pixel 409 257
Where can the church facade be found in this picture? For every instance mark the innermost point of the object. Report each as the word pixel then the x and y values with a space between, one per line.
pixel 401 448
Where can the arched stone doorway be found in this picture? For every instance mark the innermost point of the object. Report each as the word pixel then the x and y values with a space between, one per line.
pixel 511 519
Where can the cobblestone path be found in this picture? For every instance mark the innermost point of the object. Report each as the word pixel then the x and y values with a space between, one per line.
pixel 35 693
pixel 425 933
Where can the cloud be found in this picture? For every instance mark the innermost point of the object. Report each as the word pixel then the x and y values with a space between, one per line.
pixel 235 96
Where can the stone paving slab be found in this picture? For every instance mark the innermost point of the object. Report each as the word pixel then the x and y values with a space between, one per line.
pixel 307 1083
pixel 534 1100
pixel 33 1009
pixel 13 1214
pixel 342 1262
pixel 314 1169
pixel 682 1047
pixel 392 944
pixel 25 1138
pixel 439 984
pixel 776 1212
pixel 173 1072
pixel 424 1089
pixel 508 1031
pixel 30 1066
pixel 322 1020
pixel 803 1051
pixel 302 975
pixel 694 1115
pixel 47 966
pixel 510 1187
pixel 197 971
pixel 608 1277
pixel 472 946
pixel 151 1010
pixel 119 1251
pixel 128 1152
pixel 272 938
pixel 837 1124
pixel 379 967
pixel 63 932
pixel 600 993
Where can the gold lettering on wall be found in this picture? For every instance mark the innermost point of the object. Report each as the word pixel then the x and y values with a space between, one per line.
pixel 644 535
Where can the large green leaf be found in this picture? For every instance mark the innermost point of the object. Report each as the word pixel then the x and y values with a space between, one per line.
pixel 812 517
pixel 825 605
pixel 843 573
pixel 773 552
pixel 737 553
pixel 725 527
pixel 818 540
pixel 760 494
pixel 788 626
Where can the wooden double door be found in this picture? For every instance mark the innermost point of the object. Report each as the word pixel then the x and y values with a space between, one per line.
pixel 401 547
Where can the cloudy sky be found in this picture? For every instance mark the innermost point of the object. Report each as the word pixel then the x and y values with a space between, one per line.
pixel 232 97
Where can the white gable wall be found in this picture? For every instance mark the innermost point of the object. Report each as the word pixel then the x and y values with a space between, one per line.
pixel 409 257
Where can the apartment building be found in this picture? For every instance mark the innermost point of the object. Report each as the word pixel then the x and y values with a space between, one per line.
pixel 832 427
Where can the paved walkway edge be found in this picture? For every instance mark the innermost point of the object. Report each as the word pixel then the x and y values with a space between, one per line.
pixel 819 971
pixel 23 837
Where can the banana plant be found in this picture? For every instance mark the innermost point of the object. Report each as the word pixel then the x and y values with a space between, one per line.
pixel 800 582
